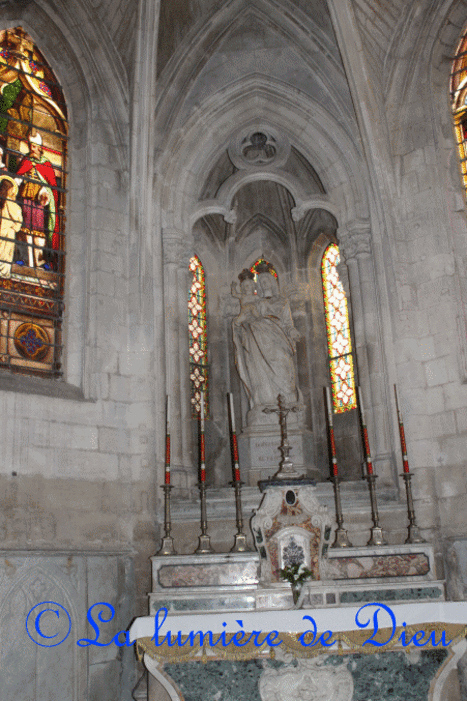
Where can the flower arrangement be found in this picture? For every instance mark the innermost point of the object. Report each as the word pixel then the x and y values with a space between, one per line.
pixel 296 574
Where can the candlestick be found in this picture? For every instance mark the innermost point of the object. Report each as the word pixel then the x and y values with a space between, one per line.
pixel 331 431
pixel 201 412
pixel 202 443
pixel 405 461
pixel 341 539
pixel 377 535
pixel 167 546
pixel 414 535
pixel 204 541
pixel 240 545
pixel 232 413
pixel 167 441
pixel 369 463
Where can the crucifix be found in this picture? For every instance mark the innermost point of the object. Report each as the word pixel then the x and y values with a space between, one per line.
pixel 286 468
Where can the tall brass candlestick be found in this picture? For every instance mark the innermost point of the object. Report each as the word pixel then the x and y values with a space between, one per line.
pixel 240 545
pixel 414 535
pixel 167 547
pixel 204 544
pixel 377 536
pixel 341 540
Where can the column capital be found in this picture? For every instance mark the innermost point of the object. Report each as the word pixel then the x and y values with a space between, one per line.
pixel 355 239
pixel 176 247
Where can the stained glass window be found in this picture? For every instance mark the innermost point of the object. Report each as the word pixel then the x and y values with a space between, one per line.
pixel 459 103
pixel 338 334
pixel 198 337
pixel 258 262
pixel 33 147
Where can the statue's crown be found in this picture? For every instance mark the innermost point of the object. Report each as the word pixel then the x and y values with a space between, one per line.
pixel 246 275
pixel 264 267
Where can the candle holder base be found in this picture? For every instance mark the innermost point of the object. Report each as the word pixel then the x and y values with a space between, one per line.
pixel 167 547
pixel 341 539
pixel 377 536
pixel 240 545
pixel 204 546
pixel 414 535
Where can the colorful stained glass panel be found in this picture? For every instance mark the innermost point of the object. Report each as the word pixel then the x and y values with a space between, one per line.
pixel 33 151
pixel 459 103
pixel 197 337
pixel 258 262
pixel 338 334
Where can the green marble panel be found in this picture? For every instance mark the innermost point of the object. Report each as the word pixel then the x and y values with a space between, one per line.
pixel 217 681
pixel 240 603
pixel 390 676
pixel 412 594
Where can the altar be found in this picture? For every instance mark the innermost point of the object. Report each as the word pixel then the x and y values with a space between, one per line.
pixel 371 622
pixel 292 609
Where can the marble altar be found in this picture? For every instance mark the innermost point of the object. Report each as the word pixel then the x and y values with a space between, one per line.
pixel 221 591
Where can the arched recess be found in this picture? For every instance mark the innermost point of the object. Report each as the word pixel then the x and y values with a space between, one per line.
pixel 189 156
pixel 96 95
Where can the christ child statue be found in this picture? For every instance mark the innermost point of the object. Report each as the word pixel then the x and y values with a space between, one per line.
pixel 249 301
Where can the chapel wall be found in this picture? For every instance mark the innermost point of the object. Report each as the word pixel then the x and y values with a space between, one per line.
pixel 428 219
pixel 78 466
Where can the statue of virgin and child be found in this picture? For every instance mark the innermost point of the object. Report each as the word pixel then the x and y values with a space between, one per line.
pixel 264 338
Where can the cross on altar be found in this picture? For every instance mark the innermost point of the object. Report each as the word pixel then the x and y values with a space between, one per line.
pixel 286 468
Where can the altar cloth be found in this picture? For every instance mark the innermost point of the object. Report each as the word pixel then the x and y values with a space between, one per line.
pixel 334 619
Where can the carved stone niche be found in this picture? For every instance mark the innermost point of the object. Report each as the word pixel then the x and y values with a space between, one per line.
pixel 290 527
pixel 310 680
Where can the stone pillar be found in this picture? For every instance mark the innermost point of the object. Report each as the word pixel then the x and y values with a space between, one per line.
pixel 355 248
pixel 176 286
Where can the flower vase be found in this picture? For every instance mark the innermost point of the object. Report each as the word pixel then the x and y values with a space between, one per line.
pixel 296 591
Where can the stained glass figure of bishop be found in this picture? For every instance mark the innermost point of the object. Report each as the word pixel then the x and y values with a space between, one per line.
pixel 39 202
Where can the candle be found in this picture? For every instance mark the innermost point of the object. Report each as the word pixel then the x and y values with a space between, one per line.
pixel 202 445
pixel 405 460
pixel 234 439
pixel 167 442
pixel 331 432
pixel 369 464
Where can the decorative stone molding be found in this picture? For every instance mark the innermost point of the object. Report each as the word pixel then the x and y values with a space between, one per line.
pixel 343 273
pixel 297 292
pixel 175 248
pixel 259 146
pixel 355 240
pixel 298 212
pixel 310 680
pixel 230 217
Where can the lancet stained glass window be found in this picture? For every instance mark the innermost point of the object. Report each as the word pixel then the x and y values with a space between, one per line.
pixel 198 337
pixel 33 148
pixel 258 262
pixel 459 103
pixel 338 334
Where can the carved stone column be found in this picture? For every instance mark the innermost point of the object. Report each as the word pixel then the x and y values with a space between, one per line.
pixel 176 261
pixel 355 247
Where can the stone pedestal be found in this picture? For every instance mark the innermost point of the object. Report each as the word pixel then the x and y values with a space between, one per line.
pixel 260 455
